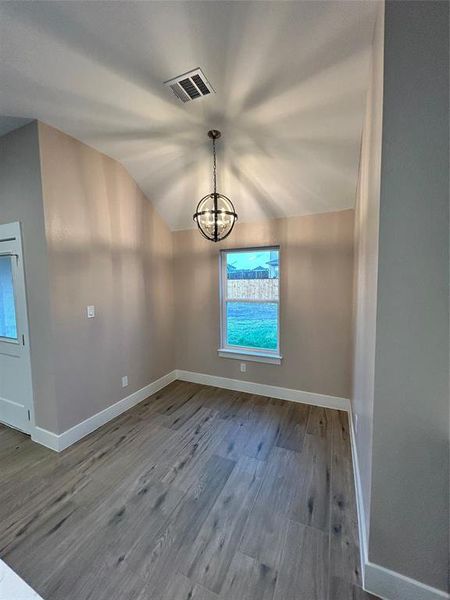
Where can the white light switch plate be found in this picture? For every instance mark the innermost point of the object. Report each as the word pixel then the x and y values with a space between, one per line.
pixel 125 381
pixel 91 311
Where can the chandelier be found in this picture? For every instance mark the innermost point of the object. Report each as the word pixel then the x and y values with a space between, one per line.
pixel 215 215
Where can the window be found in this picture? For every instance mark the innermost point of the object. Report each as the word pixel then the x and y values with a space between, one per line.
pixel 8 327
pixel 250 315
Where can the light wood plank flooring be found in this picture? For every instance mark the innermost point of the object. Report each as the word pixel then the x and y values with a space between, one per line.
pixel 197 493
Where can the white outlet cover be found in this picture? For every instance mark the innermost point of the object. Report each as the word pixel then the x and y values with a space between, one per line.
pixel 125 381
pixel 243 367
pixel 91 311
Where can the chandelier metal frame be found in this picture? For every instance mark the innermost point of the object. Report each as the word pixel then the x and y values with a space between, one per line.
pixel 215 212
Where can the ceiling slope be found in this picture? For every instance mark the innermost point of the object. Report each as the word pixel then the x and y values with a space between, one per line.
pixel 290 81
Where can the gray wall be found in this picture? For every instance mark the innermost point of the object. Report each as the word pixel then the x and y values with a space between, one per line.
pixel 316 264
pixel 107 246
pixel 410 468
pixel 21 200
pixel 366 269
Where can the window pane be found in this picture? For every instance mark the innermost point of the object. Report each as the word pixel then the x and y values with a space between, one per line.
pixel 252 324
pixel 252 275
pixel 8 327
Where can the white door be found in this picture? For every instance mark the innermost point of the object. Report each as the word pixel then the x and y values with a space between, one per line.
pixel 16 396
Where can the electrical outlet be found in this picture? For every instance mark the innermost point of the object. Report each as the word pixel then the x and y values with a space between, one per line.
pixel 91 311
pixel 243 367
pixel 125 381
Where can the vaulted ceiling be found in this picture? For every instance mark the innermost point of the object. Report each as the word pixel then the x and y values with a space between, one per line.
pixel 290 81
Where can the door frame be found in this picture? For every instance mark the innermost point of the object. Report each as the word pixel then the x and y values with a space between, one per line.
pixel 11 232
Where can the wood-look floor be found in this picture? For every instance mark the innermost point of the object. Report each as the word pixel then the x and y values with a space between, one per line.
pixel 196 494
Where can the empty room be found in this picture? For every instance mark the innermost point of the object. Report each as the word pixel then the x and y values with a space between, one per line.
pixel 224 300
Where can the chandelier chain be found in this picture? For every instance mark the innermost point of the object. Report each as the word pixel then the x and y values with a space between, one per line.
pixel 214 166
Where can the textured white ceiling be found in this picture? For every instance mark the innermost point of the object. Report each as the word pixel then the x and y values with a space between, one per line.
pixel 290 78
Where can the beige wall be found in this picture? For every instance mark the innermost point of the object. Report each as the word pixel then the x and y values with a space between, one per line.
pixel 316 297
pixel 91 237
pixel 106 246
pixel 21 200
pixel 366 268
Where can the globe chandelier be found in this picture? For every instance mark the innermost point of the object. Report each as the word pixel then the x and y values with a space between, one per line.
pixel 215 215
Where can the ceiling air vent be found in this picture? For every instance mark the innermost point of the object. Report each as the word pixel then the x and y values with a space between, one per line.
pixel 190 86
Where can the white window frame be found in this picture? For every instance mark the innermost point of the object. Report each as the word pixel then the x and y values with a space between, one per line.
pixel 243 352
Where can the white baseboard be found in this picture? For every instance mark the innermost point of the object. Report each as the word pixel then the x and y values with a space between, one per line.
pixel 262 389
pixel 382 582
pixel 363 546
pixel 74 434
pixel 390 585
pixel 45 438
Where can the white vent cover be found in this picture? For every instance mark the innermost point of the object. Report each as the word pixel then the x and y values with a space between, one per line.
pixel 190 86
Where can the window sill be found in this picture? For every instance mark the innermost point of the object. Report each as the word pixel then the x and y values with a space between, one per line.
pixel 272 359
